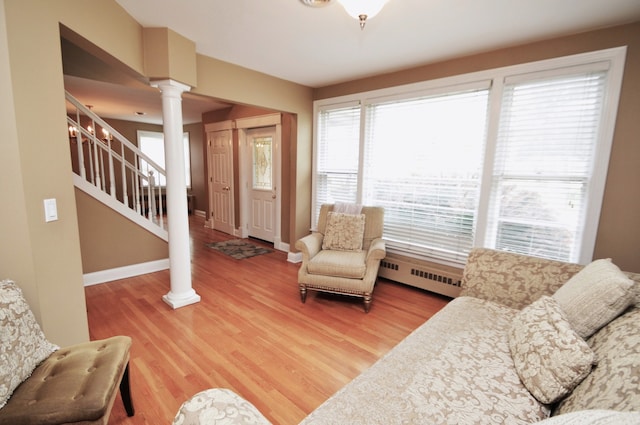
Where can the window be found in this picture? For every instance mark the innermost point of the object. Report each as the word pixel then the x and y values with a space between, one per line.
pixel 424 166
pixel 151 143
pixel 336 176
pixel 546 143
pixel 512 159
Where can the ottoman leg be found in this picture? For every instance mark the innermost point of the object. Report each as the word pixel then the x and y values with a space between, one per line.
pixel 125 392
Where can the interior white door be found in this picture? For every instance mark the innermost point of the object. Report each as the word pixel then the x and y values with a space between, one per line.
pixel 220 162
pixel 262 193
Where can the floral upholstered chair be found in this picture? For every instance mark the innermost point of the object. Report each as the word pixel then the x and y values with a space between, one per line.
pixel 343 255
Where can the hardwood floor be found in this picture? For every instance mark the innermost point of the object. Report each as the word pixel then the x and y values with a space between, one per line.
pixel 250 333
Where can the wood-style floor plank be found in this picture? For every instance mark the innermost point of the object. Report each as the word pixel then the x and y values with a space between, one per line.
pixel 250 333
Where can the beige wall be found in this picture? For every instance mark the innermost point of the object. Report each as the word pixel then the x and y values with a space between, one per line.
pixel 16 261
pixel 198 182
pixel 169 55
pixel 46 257
pixel 240 85
pixel 108 240
pixel 619 230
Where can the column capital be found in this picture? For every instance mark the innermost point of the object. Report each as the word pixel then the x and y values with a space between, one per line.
pixel 167 85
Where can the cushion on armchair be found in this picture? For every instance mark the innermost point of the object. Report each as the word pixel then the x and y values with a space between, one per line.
pixel 23 344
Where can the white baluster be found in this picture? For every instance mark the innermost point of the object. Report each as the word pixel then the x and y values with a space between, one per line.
pixel 123 170
pixel 136 185
pixel 151 203
pixel 112 177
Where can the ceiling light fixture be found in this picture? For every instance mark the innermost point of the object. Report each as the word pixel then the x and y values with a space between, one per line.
pixel 361 10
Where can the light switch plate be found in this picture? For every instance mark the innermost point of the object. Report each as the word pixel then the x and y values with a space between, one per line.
pixel 50 210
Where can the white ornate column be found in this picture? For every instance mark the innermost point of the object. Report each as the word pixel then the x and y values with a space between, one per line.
pixel 181 292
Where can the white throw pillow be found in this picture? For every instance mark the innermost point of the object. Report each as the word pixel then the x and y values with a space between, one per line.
pixel 594 296
pixel 551 359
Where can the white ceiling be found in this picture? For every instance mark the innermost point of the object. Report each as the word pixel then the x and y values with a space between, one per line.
pixel 323 46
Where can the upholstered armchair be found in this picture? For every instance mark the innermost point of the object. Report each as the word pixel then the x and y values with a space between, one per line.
pixel 343 255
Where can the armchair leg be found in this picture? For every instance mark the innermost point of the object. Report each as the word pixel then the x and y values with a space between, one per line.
pixel 367 302
pixel 125 392
pixel 303 293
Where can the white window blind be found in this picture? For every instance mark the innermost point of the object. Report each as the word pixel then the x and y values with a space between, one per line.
pixel 423 164
pixel 548 133
pixel 337 156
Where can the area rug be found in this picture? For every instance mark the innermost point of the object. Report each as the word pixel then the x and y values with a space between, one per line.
pixel 238 248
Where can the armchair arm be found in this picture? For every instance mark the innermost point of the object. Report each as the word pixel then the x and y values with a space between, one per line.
pixel 310 245
pixel 377 250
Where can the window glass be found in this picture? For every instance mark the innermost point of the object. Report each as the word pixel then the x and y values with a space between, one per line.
pixel 151 143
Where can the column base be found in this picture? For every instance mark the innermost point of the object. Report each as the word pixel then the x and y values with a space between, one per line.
pixel 175 302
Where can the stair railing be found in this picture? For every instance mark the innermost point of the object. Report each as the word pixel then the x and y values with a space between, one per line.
pixel 100 150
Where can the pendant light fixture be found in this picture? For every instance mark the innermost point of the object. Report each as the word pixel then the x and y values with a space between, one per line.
pixel 361 10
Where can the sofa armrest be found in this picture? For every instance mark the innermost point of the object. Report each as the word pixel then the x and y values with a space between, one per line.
pixel 512 279
pixel 309 245
pixel 377 250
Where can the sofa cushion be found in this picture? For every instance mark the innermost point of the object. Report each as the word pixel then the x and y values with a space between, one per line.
pixel 344 232
pixel 594 296
pixel 549 356
pixel 454 369
pixel 615 382
pixel 350 265
pixel 22 343
pixel 594 417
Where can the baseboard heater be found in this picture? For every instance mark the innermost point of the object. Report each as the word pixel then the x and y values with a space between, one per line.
pixel 422 274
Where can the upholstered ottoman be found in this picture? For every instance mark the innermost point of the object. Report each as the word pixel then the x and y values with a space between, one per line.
pixel 218 406
pixel 77 384
pixel 43 384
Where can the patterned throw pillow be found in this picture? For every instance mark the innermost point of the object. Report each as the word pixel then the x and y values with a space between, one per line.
pixel 550 357
pixel 22 343
pixel 594 296
pixel 344 232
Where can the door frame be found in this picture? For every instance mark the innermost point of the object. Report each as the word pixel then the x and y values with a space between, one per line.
pixel 244 160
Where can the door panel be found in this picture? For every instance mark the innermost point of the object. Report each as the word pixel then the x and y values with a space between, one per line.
pixel 221 180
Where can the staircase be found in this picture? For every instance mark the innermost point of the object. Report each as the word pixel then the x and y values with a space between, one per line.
pixel 114 171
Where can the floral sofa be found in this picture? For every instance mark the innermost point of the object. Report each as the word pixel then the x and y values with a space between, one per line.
pixel 528 340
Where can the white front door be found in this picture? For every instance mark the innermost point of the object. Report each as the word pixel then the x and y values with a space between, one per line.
pixel 261 143
pixel 220 160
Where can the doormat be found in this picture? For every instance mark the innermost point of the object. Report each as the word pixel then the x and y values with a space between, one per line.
pixel 238 248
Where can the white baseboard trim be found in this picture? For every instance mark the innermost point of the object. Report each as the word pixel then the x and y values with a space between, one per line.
pixel 124 272
pixel 281 246
pixel 200 213
pixel 294 257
